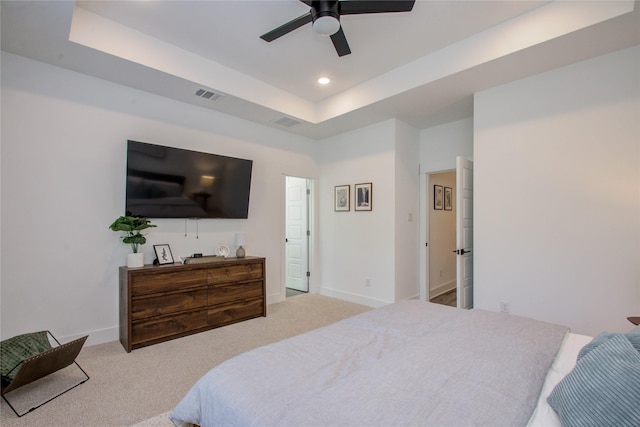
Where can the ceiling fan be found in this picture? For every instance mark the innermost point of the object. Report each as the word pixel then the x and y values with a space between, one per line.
pixel 325 16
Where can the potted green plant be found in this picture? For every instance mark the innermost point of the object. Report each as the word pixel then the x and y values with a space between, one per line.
pixel 132 227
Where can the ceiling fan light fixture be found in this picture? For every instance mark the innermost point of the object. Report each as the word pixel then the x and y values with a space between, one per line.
pixel 326 25
pixel 324 17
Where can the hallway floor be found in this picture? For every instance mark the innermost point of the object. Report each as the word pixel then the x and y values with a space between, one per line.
pixel 448 298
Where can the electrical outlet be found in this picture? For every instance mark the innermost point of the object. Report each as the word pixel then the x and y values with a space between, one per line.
pixel 504 306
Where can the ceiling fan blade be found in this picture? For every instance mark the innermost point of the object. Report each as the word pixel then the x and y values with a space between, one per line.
pixel 356 7
pixel 340 43
pixel 287 28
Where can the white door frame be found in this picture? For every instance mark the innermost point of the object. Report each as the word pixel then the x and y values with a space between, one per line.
pixel 424 237
pixel 312 207
pixel 425 193
pixel 297 233
pixel 464 232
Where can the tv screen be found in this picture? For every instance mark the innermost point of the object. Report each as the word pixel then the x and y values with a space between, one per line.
pixel 167 182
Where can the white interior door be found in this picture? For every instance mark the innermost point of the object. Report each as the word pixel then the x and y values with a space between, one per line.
pixel 297 247
pixel 464 232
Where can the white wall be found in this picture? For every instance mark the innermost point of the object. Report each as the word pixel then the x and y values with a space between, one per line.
pixel 557 199
pixel 63 183
pixel 356 246
pixel 442 238
pixel 371 257
pixel 407 187
pixel 440 145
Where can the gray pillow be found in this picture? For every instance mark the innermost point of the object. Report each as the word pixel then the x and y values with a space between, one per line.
pixel 633 337
pixel 603 389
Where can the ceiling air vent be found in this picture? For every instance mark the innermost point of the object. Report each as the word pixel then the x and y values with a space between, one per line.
pixel 286 122
pixel 207 94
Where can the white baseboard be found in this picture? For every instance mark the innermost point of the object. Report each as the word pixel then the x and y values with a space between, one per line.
pixel 354 298
pixel 442 288
pixel 100 336
pixel 276 298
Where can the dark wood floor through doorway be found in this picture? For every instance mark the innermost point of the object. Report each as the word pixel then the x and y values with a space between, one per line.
pixel 448 298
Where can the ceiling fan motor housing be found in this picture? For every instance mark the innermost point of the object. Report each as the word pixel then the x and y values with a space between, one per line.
pixel 325 16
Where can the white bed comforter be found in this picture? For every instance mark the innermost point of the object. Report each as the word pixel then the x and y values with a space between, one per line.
pixel 409 363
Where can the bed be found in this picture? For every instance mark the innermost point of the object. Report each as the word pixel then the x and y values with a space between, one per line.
pixel 408 363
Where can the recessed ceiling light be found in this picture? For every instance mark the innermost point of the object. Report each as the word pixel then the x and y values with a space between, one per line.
pixel 324 80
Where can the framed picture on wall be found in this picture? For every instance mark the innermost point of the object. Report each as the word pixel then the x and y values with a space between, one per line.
pixel 363 196
pixel 342 196
pixel 448 194
pixel 438 197
pixel 163 254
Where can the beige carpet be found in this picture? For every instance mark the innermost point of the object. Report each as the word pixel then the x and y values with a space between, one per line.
pixel 142 386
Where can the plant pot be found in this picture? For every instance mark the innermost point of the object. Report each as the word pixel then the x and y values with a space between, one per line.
pixel 135 260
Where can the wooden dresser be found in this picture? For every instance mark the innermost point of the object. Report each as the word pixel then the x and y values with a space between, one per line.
pixel 160 303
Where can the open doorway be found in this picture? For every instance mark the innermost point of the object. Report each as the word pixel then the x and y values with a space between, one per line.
pixel 447 226
pixel 297 235
pixel 442 276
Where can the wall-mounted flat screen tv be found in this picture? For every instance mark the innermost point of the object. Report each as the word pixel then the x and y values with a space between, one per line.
pixel 167 182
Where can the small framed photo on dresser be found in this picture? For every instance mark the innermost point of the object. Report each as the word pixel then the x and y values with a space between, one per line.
pixel 163 254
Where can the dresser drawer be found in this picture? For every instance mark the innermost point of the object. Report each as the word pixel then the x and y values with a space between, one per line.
pixel 142 308
pixel 234 273
pixel 158 328
pixel 235 291
pixel 235 311
pixel 144 284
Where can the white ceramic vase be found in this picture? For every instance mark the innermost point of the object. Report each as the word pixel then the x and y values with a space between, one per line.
pixel 135 260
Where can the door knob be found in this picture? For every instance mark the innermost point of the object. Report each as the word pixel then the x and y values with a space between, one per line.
pixel 461 251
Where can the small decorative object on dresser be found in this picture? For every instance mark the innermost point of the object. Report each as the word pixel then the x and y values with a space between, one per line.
pixel 132 227
pixel 240 242
pixel 223 251
pixel 163 254
pixel 203 259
